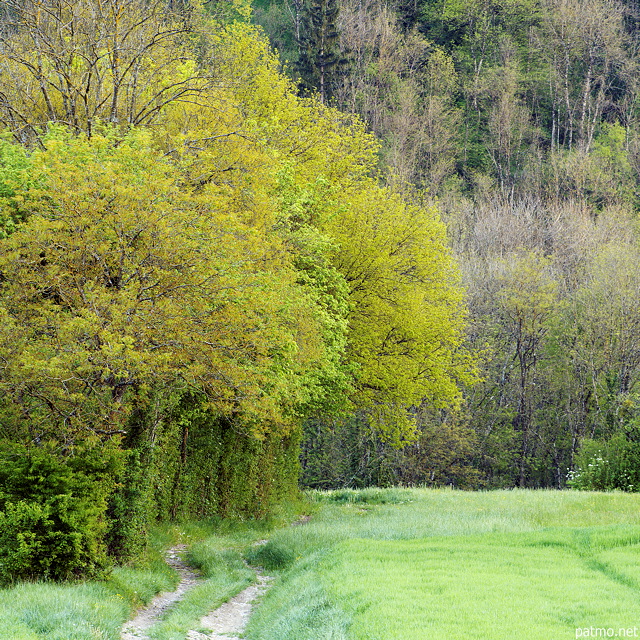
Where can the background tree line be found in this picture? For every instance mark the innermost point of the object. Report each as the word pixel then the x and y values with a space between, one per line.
pixel 520 119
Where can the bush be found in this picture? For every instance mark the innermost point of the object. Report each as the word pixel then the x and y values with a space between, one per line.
pixel 36 542
pixel 52 518
pixel 609 465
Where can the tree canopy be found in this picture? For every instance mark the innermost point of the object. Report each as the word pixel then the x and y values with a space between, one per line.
pixel 241 247
pixel 194 260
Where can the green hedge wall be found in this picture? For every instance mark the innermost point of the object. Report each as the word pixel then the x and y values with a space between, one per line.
pixel 70 513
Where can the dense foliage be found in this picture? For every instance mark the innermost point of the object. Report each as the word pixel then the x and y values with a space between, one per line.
pixel 520 117
pixel 207 267
pixel 194 261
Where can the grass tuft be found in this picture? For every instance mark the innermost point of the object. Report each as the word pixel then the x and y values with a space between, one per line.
pixel 372 495
pixel 273 556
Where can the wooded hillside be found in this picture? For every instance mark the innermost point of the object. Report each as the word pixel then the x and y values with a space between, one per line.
pixel 520 119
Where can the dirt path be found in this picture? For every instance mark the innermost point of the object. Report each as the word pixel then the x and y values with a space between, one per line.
pixel 228 621
pixel 136 629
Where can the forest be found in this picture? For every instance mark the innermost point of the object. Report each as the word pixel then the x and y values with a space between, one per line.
pixel 350 244
pixel 518 120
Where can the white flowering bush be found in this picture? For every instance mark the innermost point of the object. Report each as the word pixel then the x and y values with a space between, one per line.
pixel 607 465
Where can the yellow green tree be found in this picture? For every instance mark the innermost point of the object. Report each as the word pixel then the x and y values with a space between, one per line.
pixel 124 282
pixel 406 310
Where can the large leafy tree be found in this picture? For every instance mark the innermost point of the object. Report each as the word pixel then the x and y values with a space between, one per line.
pixel 406 313
pixel 124 282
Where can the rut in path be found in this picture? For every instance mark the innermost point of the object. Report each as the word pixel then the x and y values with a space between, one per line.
pixel 136 629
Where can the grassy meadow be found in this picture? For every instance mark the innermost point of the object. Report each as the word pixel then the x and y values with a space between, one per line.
pixel 382 564
pixel 429 564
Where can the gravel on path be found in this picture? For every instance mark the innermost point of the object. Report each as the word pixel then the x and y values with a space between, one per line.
pixel 137 627
pixel 229 620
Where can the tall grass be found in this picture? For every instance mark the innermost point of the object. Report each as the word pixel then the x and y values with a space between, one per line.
pixel 97 611
pixel 90 611
pixel 380 565
pixel 454 565
pixel 44 611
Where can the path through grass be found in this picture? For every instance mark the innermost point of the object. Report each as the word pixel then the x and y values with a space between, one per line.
pixel 384 565
pixel 97 610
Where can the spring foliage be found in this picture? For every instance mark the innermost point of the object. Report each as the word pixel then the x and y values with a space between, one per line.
pixel 191 292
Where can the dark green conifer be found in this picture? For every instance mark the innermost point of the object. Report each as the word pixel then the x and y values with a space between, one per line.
pixel 321 61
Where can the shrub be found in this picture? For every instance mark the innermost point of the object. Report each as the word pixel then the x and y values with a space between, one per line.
pixel 36 542
pixel 609 465
pixel 52 518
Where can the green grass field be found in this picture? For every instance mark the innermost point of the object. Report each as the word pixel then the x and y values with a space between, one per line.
pixel 383 564
pixel 447 565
